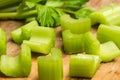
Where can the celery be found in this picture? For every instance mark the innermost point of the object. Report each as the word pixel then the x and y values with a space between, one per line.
pixel 107 15
pixel 42 40
pixel 8 3
pixel 109 33
pixel 109 51
pixel 51 67
pixel 24 32
pixel 3 42
pixel 15 15
pixel 92 45
pixel 74 25
pixel 83 65
pixel 72 43
pixel 18 66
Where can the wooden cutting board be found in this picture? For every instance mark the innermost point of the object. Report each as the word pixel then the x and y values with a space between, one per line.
pixel 106 71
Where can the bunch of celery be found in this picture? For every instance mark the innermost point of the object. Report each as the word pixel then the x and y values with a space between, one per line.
pixel 46 12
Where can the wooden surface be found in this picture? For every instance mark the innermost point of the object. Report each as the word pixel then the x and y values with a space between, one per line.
pixel 106 71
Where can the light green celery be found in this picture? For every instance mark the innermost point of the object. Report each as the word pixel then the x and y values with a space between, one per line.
pixel 109 15
pixel 109 33
pixel 23 32
pixel 42 39
pixel 109 51
pixel 72 43
pixel 51 67
pixel 92 45
pixel 18 66
pixel 82 65
pixel 74 25
pixel 3 42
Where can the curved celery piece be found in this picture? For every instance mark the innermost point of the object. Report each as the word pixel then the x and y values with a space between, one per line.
pixel 109 15
pixel 3 42
pixel 42 40
pixel 84 13
pixel 74 25
pixel 92 45
pixel 72 43
pixel 109 33
pixel 23 33
pixel 18 66
pixel 109 51
pixel 82 65
pixel 51 67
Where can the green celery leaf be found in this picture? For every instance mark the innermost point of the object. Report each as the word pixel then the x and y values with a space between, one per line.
pixel 48 16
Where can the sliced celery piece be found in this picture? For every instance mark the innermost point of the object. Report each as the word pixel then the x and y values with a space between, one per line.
pixel 109 51
pixel 107 15
pixel 3 42
pixel 72 43
pixel 82 65
pixel 51 67
pixel 92 45
pixel 74 25
pixel 18 66
pixel 23 32
pixel 109 33
pixel 42 39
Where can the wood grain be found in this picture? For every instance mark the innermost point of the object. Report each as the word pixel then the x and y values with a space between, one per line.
pixel 106 71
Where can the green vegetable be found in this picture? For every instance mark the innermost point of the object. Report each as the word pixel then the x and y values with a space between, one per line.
pixel 75 25
pixel 72 43
pixel 42 40
pixel 109 15
pixel 3 42
pixel 48 16
pixel 24 32
pixel 92 45
pixel 84 13
pixel 42 10
pixel 82 65
pixel 109 51
pixel 109 33
pixel 51 67
pixel 18 66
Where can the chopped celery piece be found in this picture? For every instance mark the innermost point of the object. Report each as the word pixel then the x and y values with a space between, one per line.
pixel 72 43
pixel 84 13
pixel 42 39
pixel 109 33
pixel 109 51
pixel 92 45
pixel 23 32
pixel 82 65
pixel 51 67
pixel 74 25
pixel 3 42
pixel 18 66
pixel 107 15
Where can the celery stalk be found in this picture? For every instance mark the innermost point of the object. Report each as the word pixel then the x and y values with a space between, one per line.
pixel 75 25
pixel 92 45
pixel 109 33
pixel 42 40
pixel 18 66
pixel 72 43
pixel 3 42
pixel 8 3
pixel 51 67
pixel 109 51
pixel 15 15
pixel 107 15
pixel 24 32
pixel 83 65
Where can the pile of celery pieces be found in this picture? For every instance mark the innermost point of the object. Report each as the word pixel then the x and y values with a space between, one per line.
pixel 86 50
